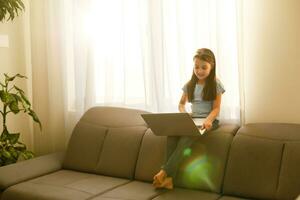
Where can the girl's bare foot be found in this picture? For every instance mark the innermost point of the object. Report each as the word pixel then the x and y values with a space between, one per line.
pixel 159 177
pixel 167 183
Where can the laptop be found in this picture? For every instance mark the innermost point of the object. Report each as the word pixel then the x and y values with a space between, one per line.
pixel 174 124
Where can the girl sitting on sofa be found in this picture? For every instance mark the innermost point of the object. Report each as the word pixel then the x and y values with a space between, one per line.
pixel 204 92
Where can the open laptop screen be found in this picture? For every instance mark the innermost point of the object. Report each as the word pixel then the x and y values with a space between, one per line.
pixel 172 124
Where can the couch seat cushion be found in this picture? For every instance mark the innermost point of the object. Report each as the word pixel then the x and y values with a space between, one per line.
pixel 63 184
pixel 135 190
pixel 183 194
pixel 231 198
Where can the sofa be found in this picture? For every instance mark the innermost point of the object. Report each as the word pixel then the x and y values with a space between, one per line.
pixel 112 154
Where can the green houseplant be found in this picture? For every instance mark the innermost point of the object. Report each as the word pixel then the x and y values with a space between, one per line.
pixel 10 7
pixel 13 100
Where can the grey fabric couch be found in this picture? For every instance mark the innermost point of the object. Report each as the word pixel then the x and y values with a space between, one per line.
pixel 113 155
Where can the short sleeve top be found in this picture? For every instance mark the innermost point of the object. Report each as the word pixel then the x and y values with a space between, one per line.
pixel 201 108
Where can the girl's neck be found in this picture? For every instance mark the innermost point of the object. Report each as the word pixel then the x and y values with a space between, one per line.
pixel 201 82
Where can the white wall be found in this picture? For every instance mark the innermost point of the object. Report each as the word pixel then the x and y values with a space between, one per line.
pixel 272 60
pixel 13 61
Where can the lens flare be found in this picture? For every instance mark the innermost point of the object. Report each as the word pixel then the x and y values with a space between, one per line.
pixel 187 152
pixel 198 173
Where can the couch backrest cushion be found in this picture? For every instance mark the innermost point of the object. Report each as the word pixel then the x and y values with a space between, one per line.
pixel 289 178
pixel 151 156
pixel 85 146
pixel 253 167
pixel 261 159
pixel 106 141
pixel 120 151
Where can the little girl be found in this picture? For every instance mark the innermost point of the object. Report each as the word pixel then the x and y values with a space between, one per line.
pixel 204 92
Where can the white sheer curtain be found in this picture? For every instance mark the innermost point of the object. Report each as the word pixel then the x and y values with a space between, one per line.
pixel 135 53
pixel 143 51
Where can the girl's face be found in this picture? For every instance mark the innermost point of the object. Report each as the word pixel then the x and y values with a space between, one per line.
pixel 201 69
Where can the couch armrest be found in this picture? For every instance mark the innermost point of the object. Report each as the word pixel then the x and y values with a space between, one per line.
pixel 28 169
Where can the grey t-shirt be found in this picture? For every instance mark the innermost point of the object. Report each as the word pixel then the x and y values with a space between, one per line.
pixel 201 108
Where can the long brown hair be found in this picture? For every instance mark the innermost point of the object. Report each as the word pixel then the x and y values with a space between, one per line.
pixel 209 92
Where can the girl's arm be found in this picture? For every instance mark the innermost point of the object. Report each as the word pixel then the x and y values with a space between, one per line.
pixel 214 113
pixel 183 100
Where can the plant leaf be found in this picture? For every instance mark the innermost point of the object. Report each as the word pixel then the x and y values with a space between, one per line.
pixel 6 97
pixel 10 7
pixel 2 95
pixel 6 154
pixel 17 97
pixel 35 117
pixel 20 90
pixel 13 106
pixel 13 138
pixel 4 135
pixel 25 105
pixel 8 78
pixel 20 148
pixel 22 93
pixel 14 152
pixel 27 155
